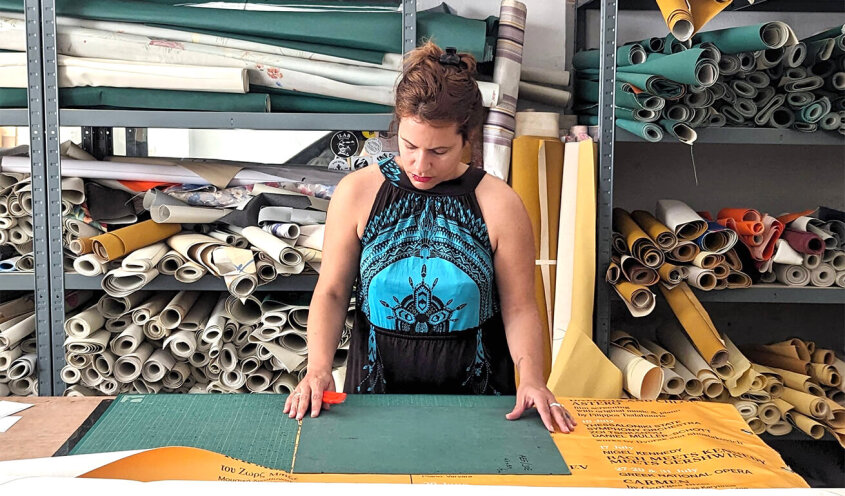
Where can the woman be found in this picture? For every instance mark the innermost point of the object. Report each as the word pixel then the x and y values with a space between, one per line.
pixel 443 258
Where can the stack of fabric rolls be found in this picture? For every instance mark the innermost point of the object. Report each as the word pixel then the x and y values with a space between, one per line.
pixel 189 342
pixel 18 348
pixel 774 387
pixel 16 223
pixel 737 248
pixel 750 76
pixel 244 226
pixel 146 54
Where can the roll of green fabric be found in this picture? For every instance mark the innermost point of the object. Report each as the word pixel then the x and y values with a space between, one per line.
pixel 377 31
pixel 645 130
pixel 748 38
pixel 828 33
pixel 144 99
pixel 625 55
pixel 679 130
pixel 290 101
pixel 652 45
pixel 813 112
pixel 655 85
pixel 639 115
pixel 688 67
pixel 674 45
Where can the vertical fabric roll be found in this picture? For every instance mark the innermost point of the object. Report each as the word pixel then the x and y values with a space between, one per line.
pixel 580 368
pixel 697 324
pixel 500 126
pixel 537 176
pixel 642 379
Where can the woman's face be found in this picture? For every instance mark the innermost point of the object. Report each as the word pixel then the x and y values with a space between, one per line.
pixel 430 153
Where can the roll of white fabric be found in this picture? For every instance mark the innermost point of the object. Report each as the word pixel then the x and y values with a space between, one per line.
pixel 246 311
pixel 151 307
pixel 285 384
pixel 119 282
pixel 213 330
pixel 25 386
pixel 169 214
pixel 544 94
pixel 836 259
pixel 90 265
pixel 840 279
pixel 190 272
pixel 234 379
pixel 77 390
pixel 228 359
pixel 823 276
pixel 128 341
pixel 182 344
pixel 111 307
pixel 104 363
pixel 14 330
pixel 811 260
pixel 177 376
pixel 259 380
pixel 178 308
pixel 170 262
pixel 155 368
pixel 294 340
pixel 22 366
pixel 88 345
pixel 792 275
pixel 129 367
pixel 144 259
pixel 91 377
pixel 109 386
pixel 118 325
pixel 70 375
pixel 703 279
pixel 85 322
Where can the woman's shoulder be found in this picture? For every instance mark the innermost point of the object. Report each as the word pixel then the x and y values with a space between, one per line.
pixel 494 194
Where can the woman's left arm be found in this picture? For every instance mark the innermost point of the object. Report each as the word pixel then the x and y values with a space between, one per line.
pixel 510 229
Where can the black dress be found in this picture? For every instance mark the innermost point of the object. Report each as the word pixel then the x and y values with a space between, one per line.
pixel 428 318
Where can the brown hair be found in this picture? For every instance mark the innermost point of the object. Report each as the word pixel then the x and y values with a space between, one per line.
pixel 434 91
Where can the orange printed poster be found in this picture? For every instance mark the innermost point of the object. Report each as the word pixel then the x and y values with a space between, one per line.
pixel 617 443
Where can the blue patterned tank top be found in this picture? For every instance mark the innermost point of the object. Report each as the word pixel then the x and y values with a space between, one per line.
pixel 428 317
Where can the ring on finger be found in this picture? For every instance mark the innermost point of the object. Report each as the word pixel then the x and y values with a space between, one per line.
pixel 556 404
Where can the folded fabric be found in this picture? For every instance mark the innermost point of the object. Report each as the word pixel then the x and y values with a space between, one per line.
pixel 109 205
pixel 248 215
pixel 118 243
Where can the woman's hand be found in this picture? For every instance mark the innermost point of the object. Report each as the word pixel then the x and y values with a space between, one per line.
pixel 554 415
pixel 309 392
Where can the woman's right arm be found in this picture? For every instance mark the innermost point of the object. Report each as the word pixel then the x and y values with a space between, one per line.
pixel 330 301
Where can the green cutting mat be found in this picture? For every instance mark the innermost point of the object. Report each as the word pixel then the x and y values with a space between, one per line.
pixel 422 434
pixel 249 427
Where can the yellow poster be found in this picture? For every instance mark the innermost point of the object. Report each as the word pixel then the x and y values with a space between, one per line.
pixel 617 443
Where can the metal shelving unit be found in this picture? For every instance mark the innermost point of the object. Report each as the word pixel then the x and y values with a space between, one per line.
pixel 224 120
pixel 44 118
pixel 747 135
pixel 775 293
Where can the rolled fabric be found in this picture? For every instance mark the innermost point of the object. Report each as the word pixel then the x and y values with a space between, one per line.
pixel 104 363
pixel 129 367
pixel 85 322
pixel 190 272
pixel 703 279
pixel 792 275
pixel 152 307
pixel 764 356
pixel 840 279
pixel 88 345
pixel 626 55
pixel 144 259
pixel 127 341
pixel 746 222
pixel 285 384
pixel 671 274
pixel 70 375
pixel 826 375
pixel 118 243
pixel 659 233
pixel 645 130
pixel 246 310
pixel 835 259
pixel 707 260
pixel 737 279
pixel 823 276
pixel 111 307
pixel 807 404
pixel 688 67
pixel 803 242
pixel 182 344
pixel 90 265
pixel 721 270
pixel 764 36
pixel 643 380
pixel 120 282
pixel 824 356
pixel 176 376
pixel 15 330
pixel 170 262
pixel 682 220
pixel 636 272
pixel 747 409
pixel 697 324
pixel 743 377
pixel 638 242
pixel 672 382
pixel 24 386
pixel 685 251
pixel 178 308
pixel 259 380
pixel 22 366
